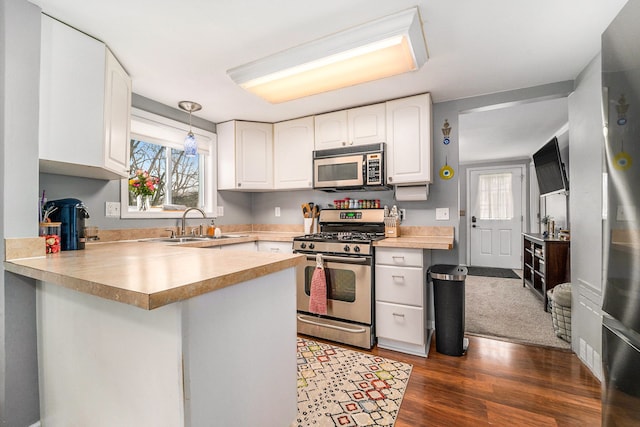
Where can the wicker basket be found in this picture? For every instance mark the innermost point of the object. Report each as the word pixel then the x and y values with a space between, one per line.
pixel 560 299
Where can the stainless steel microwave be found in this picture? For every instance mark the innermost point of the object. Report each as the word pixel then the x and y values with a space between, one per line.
pixel 350 168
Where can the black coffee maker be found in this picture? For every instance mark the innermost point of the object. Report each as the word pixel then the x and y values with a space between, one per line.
pixel 71 213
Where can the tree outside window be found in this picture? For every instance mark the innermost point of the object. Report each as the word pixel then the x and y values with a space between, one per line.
pixel 179 175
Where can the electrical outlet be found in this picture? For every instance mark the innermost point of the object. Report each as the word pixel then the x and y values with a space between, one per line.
pixel 112 209
pixel 442 214
pixel 277 211
pixel 220 211
pixel 403 214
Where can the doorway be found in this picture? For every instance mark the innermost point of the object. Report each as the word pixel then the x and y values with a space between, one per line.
pixel 495 199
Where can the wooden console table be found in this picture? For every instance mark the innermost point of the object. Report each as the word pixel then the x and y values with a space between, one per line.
pixel 545 264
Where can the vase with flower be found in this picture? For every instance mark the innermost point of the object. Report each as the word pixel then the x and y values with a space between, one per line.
pixel 142 185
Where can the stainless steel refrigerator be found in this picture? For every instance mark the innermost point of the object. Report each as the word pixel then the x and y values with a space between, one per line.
pixel 621 302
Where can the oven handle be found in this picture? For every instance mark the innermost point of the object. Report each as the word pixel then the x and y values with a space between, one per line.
pixel 340 328
pixel 352 260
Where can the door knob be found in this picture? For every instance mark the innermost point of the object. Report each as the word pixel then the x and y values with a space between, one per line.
pixel 473 219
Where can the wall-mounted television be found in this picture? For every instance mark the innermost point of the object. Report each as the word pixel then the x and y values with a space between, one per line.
pixel 552 177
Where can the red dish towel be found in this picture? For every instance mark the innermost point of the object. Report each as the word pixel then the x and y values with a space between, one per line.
pixel 318 298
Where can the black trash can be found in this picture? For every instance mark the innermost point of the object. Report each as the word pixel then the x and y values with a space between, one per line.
pixel 448 301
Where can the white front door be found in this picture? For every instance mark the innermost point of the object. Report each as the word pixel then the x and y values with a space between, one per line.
pixel 495 216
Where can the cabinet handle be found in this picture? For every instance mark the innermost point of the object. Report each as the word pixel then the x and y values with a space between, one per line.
pixel 398 277
pixel 398 314
pixel 344 143
pixel 239 184
pixel 398 257
pixel 275 249
pixel 390 179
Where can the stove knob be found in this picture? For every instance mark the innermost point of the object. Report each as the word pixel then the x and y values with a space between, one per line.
pixel 346 248
pixel 356 249
pixel 311 246
pixel 303 245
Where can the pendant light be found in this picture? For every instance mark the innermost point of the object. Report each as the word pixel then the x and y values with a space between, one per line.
pixel 190 143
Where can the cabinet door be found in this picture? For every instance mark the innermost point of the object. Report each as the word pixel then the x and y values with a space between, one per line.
pixel 117 108
pixel 293 153
pixel 275 247
pixel 331 130
pixel 400 285
pixel 400 323
pixel 400 257
pixel 254 156
pixel 409 140
pixel 366 125
pixel 72 67
pixel 245 246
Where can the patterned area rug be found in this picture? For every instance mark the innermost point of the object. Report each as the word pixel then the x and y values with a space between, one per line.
pixel 341 387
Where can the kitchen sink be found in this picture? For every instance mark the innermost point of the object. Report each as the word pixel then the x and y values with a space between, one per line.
pixel 187 239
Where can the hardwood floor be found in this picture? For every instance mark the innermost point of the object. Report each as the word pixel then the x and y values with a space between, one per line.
pixel 500 384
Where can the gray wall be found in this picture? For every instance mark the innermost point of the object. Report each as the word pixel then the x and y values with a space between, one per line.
pixel 586 152
pixel 450 110
pixel 19 86
pixel 94 193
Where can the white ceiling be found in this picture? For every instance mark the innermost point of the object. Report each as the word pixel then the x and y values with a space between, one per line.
pixel 180 50
pixel 514 132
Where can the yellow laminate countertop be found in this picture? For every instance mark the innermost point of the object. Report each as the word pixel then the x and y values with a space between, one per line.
pixel 416 237
pixel 150 275
pixel 416 242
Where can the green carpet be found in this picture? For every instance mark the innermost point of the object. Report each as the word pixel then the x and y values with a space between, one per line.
pixel 342 387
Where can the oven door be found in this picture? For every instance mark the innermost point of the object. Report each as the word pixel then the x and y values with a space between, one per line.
pixel 335 172
pixel 349 286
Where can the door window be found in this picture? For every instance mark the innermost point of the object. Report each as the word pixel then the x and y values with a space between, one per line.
pixel 495 196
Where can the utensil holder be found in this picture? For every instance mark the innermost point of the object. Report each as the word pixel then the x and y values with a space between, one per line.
pixel 308 222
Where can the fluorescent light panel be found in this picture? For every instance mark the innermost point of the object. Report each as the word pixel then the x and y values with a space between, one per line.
pixel 379 49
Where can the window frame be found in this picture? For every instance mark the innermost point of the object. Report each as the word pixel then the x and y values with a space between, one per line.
pixel 160 130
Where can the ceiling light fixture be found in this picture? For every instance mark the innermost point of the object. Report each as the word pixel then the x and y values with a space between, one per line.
pixel 382 48
pixel 190 143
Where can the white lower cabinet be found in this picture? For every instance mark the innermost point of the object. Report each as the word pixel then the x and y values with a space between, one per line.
pixel 403 300
pixel 275 247
pixel 245 246
pixel 400 322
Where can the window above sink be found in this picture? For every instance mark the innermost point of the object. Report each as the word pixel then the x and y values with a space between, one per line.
pixel 157 147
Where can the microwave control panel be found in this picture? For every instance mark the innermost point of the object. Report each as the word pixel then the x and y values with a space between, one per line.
pixel 374 169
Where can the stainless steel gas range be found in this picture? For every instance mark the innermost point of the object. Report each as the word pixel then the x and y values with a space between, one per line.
pixel 345 242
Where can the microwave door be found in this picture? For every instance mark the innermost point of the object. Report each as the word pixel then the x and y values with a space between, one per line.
pixel 343 171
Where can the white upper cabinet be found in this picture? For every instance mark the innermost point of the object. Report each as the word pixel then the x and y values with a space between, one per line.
pixel 357 126
pixel 85 105
pixel 245 156
pixel 367 124
pixel 331 130
pixel 293 153
pixel 409 140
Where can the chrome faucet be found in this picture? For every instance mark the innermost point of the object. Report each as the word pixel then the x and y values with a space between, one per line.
pixel 184 218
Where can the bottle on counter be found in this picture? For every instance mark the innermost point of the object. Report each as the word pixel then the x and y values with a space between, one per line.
pixel 211 230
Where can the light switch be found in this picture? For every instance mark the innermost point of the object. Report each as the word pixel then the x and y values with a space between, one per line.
pixel 442 214
pixel 220 211
pixel 277 211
